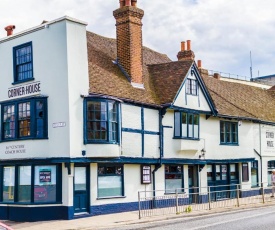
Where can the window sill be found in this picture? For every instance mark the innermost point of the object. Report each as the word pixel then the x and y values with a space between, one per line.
pixel 186 138
pixel 86 142
pixel 230 144
pixel 22 81
pixel 192 94
pixel 111 197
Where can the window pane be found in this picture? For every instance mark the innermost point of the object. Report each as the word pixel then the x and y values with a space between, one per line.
pixel 173 178
pixel 184 124
pixel 23 62
pixel 233 173
pixel 80 178
pixel 39 119
pixel 45 184
pixel 109 186
pixel 209 173
pixel 254 177
pixel 24 184
pixel 177 124
pixel 218 172
pixel 245 172
pixel 8 184
pixel 9 122
pixel 190 125
pixel 224 172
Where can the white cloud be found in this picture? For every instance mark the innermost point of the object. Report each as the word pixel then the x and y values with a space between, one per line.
pixel 222 32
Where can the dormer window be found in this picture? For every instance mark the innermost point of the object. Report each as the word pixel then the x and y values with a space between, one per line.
pixel 22 62
pixel 191 87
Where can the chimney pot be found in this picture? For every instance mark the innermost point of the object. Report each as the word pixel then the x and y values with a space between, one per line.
pixel 182 46
pixel 199 63
pixel 188 44
pixel 134 3
pixel 127 2
pixel 217 76
pixel 122 3
pixel 9 29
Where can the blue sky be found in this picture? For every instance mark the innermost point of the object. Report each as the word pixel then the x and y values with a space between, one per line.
pixel 222 32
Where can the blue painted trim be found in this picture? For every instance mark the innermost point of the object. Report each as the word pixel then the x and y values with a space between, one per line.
pixel 129 130
pixel 193 70
pixel 187 138
pixel 198 90
pixel 31 214
pixel 220 161
pixel 223 123
pixel 124 160
pixel 15 80
pixel 180 109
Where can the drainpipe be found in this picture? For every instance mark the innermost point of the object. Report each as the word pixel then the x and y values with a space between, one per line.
pixel 157 166
pixel 260 136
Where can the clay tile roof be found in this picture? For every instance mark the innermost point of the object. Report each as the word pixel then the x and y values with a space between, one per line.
pixel 106 78
pixel 242 100
pixel 168 77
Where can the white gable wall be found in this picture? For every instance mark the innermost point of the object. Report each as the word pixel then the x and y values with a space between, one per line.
pixel 195 102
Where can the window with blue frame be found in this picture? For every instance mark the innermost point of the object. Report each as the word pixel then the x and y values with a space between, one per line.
pixel 30 183
pixel 24 119
pixel 186 125
pixel 101 123
pixel 191 87
pixel 23 62
pixel 229 132
pixel 254 174
pixel 173 178
pixel 110 181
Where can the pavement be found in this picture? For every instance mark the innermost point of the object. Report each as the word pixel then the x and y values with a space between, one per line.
pixel 112 221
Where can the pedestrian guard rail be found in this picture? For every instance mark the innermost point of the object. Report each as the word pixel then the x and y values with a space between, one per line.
pixel 185 200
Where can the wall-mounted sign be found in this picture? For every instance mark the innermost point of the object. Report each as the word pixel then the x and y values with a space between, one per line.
pixel 14 149
pixel 145 174
pixel 59 124
pixel 45 176
pixel 269 138
pixel 25 90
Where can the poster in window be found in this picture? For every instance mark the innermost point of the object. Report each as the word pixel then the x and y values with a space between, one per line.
pixel 45 176
pixel 145 174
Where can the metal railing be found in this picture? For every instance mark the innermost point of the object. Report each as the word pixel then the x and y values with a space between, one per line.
pixel 201 198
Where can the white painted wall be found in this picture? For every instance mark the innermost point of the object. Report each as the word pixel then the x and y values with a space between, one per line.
pixel 60 65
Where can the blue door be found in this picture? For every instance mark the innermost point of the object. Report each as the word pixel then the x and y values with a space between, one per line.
pixel 81 198
pixel 193 184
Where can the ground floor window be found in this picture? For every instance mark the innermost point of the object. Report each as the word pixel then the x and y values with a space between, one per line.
pixel 173 178
pixel 222 173
pixel 254 174
pixel 270 167
pixel 110 181
pixel 30 183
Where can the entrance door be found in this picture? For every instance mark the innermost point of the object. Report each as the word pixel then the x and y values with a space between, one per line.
pixel 81 201
pixel 193 183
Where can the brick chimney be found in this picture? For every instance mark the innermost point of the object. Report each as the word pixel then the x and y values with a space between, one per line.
pixel 203 72
pixel 129 40
pixel 187 54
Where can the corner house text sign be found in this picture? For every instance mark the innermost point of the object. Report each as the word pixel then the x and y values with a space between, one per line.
pixel 24 90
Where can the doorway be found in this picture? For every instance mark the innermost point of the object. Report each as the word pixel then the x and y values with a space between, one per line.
pixel 81 197
pixel 193 183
